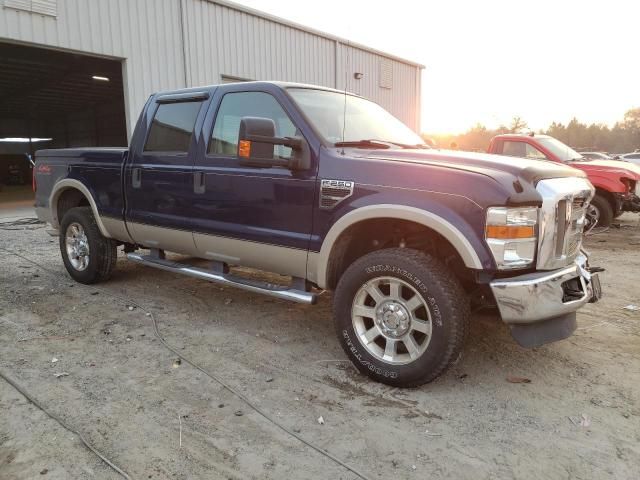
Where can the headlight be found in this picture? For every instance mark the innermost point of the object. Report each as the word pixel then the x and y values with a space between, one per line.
pixel 511 236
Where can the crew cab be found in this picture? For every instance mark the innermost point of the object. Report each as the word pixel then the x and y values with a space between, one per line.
pixel 617 183
pixel 329 189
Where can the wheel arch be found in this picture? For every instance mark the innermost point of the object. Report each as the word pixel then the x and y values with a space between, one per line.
pixel 322 264
pixel 63 189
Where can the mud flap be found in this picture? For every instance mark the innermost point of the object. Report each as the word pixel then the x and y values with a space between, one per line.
pixel 552 330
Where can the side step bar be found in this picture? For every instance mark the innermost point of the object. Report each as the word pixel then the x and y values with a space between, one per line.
pixel 277 291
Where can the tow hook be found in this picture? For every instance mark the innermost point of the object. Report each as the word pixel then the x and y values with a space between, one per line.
pixel 595 269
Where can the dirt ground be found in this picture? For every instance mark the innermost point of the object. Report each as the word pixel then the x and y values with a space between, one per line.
pixel 579 418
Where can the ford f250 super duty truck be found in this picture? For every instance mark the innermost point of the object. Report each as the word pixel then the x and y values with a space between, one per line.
pixel 331 190
pixel 617 183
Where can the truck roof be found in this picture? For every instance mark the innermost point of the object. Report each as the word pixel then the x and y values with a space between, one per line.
pixel 282 85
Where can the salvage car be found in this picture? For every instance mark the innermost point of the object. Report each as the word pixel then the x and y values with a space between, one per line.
pixel 633 157
pixel 331 190
pixel 617 183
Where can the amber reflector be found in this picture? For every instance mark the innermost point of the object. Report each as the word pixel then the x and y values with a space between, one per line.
pixel 509 232
pixel 244 148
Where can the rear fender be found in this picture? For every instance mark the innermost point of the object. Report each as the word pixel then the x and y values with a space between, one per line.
pixel 67 184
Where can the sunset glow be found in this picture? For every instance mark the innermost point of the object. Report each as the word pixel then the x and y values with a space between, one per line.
pixel 492 60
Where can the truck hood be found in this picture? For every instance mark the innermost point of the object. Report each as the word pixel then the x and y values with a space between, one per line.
pixel 609 167
pixel 531 171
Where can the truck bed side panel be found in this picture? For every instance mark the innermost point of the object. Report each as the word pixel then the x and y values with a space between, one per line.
pixel 97 170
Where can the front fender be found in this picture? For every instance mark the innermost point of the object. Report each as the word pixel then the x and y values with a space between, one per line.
pixel 453 227
pixel 608 183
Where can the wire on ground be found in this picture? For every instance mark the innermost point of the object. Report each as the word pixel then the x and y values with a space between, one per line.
pixel 63 424
pixel 233 390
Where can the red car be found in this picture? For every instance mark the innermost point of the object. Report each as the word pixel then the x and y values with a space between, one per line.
pixel 617 183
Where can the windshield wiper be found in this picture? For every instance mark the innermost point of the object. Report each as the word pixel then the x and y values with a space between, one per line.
pixel 375 143
pixel 363 144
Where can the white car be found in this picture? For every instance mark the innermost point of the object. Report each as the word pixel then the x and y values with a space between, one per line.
pixel 631 157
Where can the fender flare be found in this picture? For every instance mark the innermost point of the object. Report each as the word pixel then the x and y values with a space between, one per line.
pixel 69 184
pixel 401 212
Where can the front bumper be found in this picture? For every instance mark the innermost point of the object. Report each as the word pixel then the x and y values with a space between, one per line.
pixel 540 307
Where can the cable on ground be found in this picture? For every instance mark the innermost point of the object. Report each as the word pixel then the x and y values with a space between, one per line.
pixel 63 424
pixel 234 391
pixel 22 224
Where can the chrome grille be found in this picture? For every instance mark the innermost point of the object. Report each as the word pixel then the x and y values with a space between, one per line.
pixel 575 226
pixel 562 220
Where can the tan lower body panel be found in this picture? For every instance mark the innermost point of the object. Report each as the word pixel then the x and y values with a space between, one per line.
pixel 270 258
pixel 173 240
pixel 116 229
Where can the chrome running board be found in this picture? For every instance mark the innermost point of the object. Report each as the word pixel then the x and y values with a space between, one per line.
pixel 277 291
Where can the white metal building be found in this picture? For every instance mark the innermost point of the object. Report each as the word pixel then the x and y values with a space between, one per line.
pixel 167 44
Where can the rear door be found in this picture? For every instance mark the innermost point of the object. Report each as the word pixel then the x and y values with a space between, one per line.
pixel 254 216
pixel 158 176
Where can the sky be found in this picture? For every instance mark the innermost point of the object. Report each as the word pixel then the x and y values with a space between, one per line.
pixel 488 61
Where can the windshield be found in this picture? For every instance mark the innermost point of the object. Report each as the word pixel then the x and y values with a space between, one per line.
pixel 365 120
pixel 564 152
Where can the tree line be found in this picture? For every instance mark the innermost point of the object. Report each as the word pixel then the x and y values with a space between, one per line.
pixel 623 137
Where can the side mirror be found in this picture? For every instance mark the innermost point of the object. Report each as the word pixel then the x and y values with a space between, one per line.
pixel 256 139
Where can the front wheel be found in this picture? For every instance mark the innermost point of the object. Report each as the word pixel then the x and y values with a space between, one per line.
pixel 401 316
pixel 88 256
pixel 600 211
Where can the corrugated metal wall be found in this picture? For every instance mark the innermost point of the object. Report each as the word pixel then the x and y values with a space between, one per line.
pixel 219 40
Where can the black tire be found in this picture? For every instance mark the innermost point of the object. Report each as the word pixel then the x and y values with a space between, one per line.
pixel 444 297
pixel 102 251
pixel 605 211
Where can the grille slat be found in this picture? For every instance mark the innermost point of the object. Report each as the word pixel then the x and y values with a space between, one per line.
pixel 571 219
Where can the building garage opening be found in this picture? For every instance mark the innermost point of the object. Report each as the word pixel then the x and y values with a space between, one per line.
pixel 53 99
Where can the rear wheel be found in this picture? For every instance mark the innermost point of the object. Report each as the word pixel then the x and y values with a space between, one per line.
pixel 401 316
pixel 600 211
pixel 88 256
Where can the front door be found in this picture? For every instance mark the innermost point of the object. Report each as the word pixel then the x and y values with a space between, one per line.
pixel 259 217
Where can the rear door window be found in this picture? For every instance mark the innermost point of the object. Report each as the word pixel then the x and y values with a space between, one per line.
pixel 172 127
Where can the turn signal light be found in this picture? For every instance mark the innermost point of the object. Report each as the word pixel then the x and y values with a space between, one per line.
pixel 244 148
pixel 509 232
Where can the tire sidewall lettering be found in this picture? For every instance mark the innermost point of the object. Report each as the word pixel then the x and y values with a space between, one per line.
pixel 419 284
pixel 357 356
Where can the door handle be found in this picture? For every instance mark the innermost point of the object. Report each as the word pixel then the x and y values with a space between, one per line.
pixel 198 182
pixel 136 177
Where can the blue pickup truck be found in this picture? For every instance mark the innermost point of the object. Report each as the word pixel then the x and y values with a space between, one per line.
pixel 329 189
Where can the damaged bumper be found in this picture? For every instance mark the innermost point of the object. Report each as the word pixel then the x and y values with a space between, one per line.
pixel 541 307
